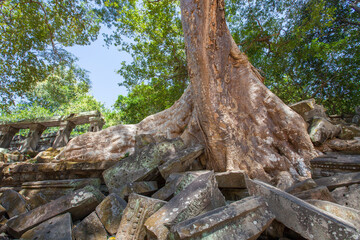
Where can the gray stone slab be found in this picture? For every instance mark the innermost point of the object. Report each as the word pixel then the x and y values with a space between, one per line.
pixel 90 229
pixel 302 186
pixel 181 161
pixel 142 165
pixel 138 210
pixel 339 180
pixel 80 203
pixel 110 211
pixel 348 214
pixel 57 228
pixel 13 202
pixel 244 219
pixel 200 196
pixel 231 179
pixel 348 196
pixel 319 193
pixel 144 187
pixel 307 220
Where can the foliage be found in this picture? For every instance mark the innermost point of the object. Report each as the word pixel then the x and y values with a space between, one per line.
pixel 304 48
pixel 33 34
pixel 157 76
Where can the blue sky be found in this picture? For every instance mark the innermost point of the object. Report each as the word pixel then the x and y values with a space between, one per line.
pixel 102 63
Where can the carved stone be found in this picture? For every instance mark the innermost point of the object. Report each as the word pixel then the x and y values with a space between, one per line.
pixel 57 228
pixel 96 124
pixel 339 180
pixel 137 211
pixel 307 220
pixel 331 164
pixel 231 179
pixel 80 203
pixel 142 165
pixel 200 196
pixel 321 129
pixel 53 189
pixel 90 229
pixel 13 202
pixel 349 214
pixel 144 188
pixel 244 219
pixel 110 211
pixel 181 162
pixel 63 135
pixel 7 134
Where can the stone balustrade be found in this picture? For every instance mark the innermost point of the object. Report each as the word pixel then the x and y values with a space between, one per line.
pixel 37 126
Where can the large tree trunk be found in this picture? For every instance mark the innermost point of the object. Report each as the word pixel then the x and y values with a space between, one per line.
pixel 245 126
pixel 227 108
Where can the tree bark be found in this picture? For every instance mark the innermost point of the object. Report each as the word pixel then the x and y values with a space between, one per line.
pixel 226 107
pixel 244 125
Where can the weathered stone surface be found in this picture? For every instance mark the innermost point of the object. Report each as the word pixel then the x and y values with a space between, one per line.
pixel 234 194
pixel 16 174
pixel 7 134
pixel 244 219
pixel 80 203
pixel 181 161
pixel 349 132
pixel 2 210
pixel 40 192
pixel 321 129
pixel 307 220
pixel 166 192
pixel 110 211
pixel 348 196
pixel 303 107
pixel 144 188
pixel 57 228
pixel 142 165
pixel 138 210
pixel 284 180
pixel 90 229
pixel 231 179
pixel 200 196
pixel 339 180
pixel 349 214
pixel 302 186
pixel 350 146
pixel 13 202
pixel 320 193
pixel 46 156
pixel 334 163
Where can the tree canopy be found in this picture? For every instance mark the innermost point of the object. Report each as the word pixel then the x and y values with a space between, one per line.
pixel 303 48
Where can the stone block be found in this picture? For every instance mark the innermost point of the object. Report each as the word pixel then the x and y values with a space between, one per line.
pixel 138 210
pixel 144 188
pixel 2 210
pixel 45 191
pixel 348 196
pixel 142 165
pixel 80 203
pixel 110 211
pixel 13 202
pixel 307 184
pixel 181 161
pixel 339 180
pixel 245 219
pixel 348 146
pixel 90 229
pixel 231 179
pixel 319 193
pixel 305 219
pixel 200 196
pixel 303 107
pixel 348 214
pixel 234 194
pixel 57 228
pixel 321 129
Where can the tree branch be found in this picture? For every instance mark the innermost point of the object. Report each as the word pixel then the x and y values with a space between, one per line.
pixel 355 6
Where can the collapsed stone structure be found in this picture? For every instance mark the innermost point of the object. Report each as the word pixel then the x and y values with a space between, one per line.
pixel 163 191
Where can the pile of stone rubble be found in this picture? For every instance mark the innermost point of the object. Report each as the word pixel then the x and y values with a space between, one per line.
pixel 162 191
